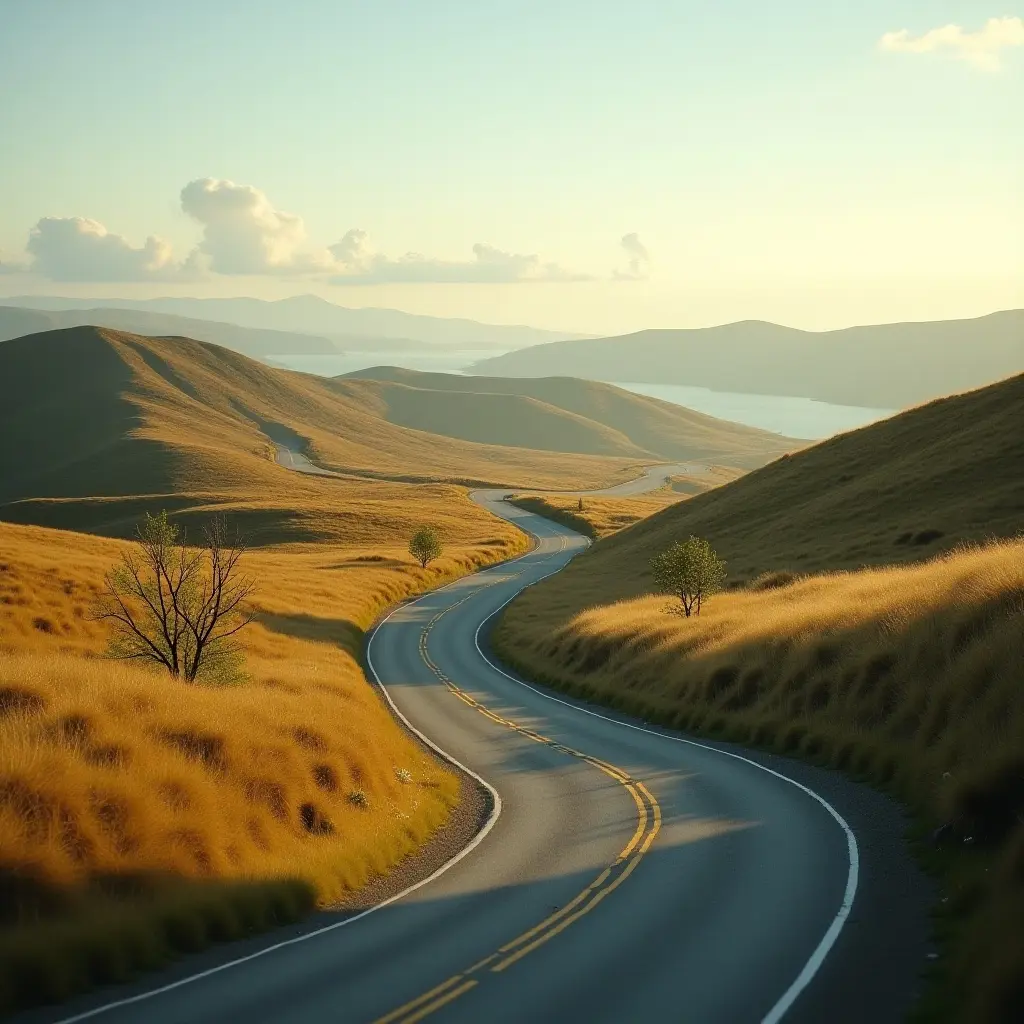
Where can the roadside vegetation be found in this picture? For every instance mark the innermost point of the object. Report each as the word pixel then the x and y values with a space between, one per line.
pixel 845 638
pixel 143 815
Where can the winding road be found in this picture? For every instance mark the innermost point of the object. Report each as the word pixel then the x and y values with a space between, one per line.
pixel 625 873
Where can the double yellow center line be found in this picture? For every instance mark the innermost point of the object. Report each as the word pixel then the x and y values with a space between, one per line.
pixel 647 827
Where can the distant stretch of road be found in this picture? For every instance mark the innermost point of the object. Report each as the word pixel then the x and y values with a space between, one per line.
pixel 625 873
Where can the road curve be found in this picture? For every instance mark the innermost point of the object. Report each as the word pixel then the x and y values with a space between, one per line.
pixel 626 874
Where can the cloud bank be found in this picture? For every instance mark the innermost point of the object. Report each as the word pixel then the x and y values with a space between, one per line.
pixel 242 232
pixel 981 48
pixel 79 249
pixel 357 263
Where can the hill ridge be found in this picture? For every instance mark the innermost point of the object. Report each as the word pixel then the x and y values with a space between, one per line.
pixel 880 366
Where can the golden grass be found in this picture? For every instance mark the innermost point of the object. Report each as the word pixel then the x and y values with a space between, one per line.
pixel 909 675
pixel 140 815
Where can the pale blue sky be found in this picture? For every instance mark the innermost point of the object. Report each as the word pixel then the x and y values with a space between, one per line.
pixel 773 160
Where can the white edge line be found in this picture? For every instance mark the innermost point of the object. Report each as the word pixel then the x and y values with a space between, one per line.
pixel 803 979
pixel 467 849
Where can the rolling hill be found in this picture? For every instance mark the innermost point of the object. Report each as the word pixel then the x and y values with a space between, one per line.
pixel 889 366
pixel 94 412
pixel 563 414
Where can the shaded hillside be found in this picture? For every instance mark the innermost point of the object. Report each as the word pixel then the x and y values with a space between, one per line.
pixel 895 491
pixel 254 341
pixel 91 412
pixel 564 414
pixel 888 366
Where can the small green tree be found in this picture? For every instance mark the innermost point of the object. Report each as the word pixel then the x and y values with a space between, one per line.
pixel 691 570
pixel 179 606
pixel 425 545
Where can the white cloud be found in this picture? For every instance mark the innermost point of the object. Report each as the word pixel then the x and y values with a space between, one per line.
pixel 981 48
pixel 357 263
pixel 79 249
pixel 639 267
pixel 244 234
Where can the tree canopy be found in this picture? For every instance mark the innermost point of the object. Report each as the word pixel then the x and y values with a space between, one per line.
pixel 425 545
pixel 691 570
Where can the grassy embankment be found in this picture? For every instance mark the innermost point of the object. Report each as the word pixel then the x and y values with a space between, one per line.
pixel 871 629
pixel 141 817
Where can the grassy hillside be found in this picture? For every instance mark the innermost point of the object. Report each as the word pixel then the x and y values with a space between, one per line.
pixel 97 412
pixel 889 366
pixel 253 341
pixel 907 674
pixel 142 817
pixel 895 491
pixel 564 414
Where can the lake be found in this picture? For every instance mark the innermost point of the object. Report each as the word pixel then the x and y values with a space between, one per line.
pixel 793 417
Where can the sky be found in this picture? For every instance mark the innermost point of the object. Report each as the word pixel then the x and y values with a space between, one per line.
pixel 583 165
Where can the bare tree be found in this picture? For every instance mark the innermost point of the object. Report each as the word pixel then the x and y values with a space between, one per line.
pixel 179 606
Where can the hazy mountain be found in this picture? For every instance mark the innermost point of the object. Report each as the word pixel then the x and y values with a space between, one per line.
pixel 309 314
pixel 15 322
pixel 885 366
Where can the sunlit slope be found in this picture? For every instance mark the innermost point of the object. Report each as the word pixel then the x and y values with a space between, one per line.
pixel 564 414
pixel 895 491
pixel 93 411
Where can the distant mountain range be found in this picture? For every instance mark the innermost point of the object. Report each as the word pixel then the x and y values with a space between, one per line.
pixel 889 366
pixel 16 322
pixel 311 315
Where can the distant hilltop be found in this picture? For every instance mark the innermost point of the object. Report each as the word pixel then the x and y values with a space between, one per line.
pixel 889 366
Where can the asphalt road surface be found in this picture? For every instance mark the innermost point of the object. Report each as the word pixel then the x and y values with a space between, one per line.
pixel 625 873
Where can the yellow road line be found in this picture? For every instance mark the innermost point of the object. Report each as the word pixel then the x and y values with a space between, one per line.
pixel 648 826
pixel 413 1003
pixel 442 1001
